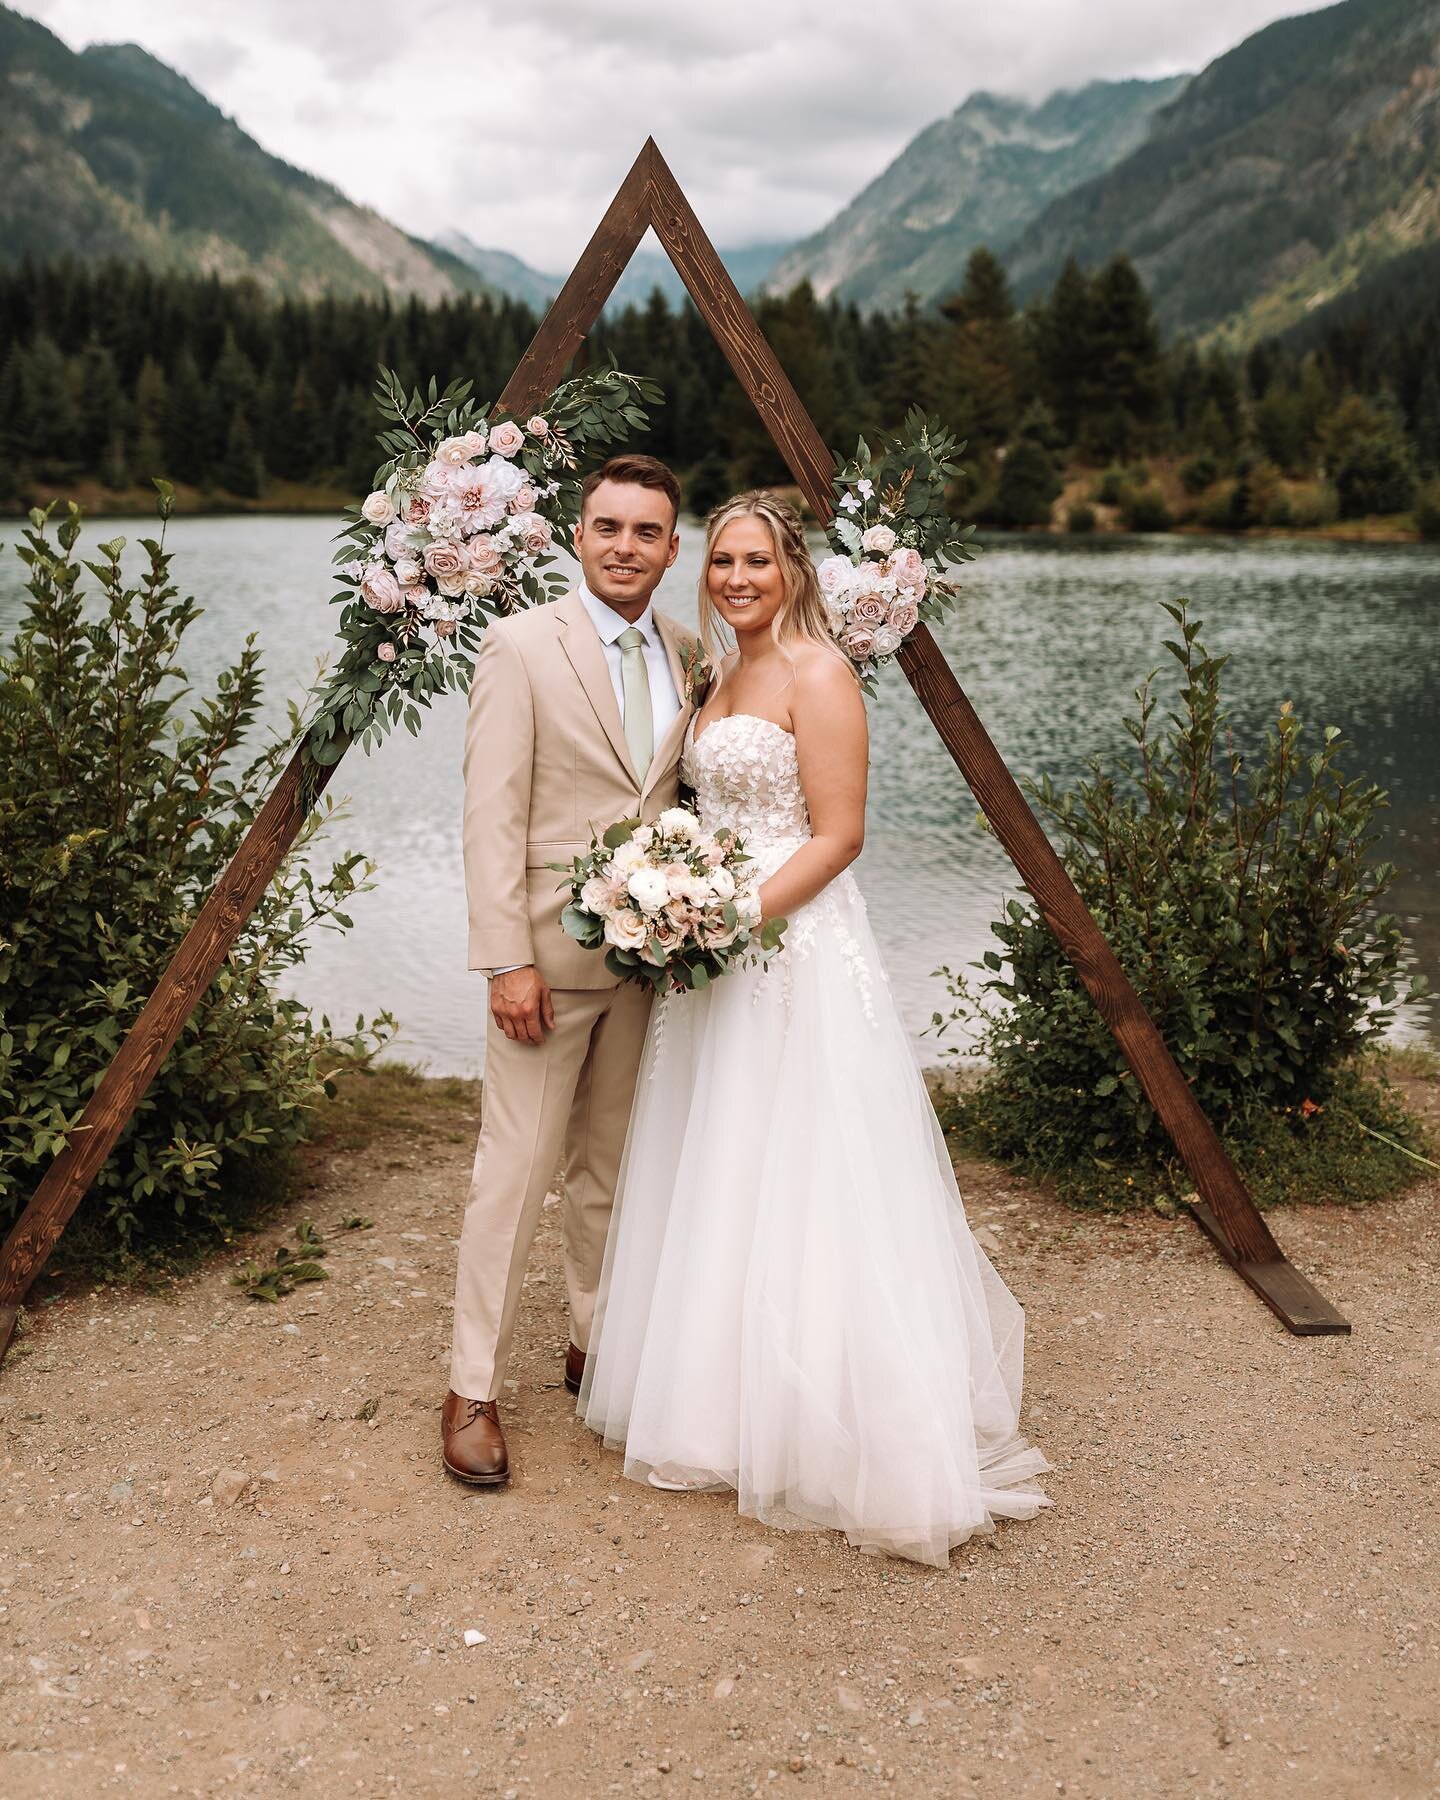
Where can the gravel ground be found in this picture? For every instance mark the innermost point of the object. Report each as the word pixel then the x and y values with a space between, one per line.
pixel 217 1572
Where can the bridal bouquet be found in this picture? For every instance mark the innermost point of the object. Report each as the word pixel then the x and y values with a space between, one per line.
pixel 459 528
pixel 893 539
pixel 674 906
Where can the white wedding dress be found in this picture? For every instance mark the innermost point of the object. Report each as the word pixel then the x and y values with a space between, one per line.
pixel 792 1304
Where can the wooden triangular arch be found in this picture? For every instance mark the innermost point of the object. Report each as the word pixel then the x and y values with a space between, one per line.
pixel 651 197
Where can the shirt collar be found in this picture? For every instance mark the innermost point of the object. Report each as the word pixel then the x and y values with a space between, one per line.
pixel 609 623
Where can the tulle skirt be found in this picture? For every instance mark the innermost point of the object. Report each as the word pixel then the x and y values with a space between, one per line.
pixel 792 1304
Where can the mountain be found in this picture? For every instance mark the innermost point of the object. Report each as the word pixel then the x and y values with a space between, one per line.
pixel 648 269
pixel 108 152
pixel 977 177
pixel 1279 177
pixel 500 270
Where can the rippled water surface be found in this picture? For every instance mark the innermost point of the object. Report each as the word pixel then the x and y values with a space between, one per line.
pixel 1049 644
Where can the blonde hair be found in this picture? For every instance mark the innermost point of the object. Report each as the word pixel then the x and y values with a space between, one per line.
pixel 802 615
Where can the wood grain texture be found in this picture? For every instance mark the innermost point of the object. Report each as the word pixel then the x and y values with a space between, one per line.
pixel 150 1039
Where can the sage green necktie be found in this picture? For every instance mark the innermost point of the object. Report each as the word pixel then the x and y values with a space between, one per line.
pixel 635 684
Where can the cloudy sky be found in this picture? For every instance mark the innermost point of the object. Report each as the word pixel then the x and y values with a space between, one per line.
pixel 515 122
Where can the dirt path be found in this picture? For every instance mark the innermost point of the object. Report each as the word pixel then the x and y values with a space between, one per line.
pixel 1234 1593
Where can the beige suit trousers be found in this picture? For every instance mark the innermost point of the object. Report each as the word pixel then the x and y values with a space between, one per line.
pixel 570 1095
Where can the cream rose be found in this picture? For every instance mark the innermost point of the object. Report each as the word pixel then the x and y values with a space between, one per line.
pixel 397 540
pixel 444 558
pixel 506 438
pixel 836 575
pixel 378 508
pixel 626 930
pixel 596 897
pixel 381 589
pixel 407 571
pixel 453 453
pixel 474 442
pixel 538 427
pixel 908 568
pixel 385 651
pixel 452 586
pixel 904 616
pixel 478 585
pixel 880 538
pixel 887 641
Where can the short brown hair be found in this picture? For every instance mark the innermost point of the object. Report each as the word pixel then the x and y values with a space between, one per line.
pixel 640 471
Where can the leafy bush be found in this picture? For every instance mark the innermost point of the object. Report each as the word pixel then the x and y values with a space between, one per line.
pixel 1314 505
pixel 1427 511
pixel 1240 902
pixel 1110 489
pixel 1376 475
pixel 1200 472
pixel 1028 485
pixel 1080 518
pixel 117 815
pixel 1144 509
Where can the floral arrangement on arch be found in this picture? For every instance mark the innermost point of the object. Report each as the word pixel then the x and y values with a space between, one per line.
pixel 893 540
pixel 460 528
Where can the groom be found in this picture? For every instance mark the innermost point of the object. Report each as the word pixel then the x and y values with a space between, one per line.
pixel 577 718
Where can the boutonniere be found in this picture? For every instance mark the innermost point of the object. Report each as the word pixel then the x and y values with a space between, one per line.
pixel 698 673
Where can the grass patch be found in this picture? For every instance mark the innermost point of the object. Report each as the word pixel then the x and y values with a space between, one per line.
pixel 396 1099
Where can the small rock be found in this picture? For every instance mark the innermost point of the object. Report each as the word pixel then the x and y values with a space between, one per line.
pixel 228 1486
pixel 417 1589
pixel 849 1699
pixel 724 1688
pixel 642 1660
pixel 473 1637
pixel 122 1490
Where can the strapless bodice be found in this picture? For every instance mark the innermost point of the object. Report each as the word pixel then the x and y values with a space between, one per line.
pixel 746 774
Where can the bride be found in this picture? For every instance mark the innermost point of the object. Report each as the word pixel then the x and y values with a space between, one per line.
pixel 792 1304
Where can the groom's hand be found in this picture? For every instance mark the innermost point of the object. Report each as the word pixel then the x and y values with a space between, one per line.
pixel 520 1004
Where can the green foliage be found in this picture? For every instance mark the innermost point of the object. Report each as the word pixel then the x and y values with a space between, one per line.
pixel 117 814
pixel 1144 509
pixel 1427 511
pixel 1199 472
pixel 1241 902
pixel 1080 518
pixel 1375 472
pixel 274 1280
pixel 1029 480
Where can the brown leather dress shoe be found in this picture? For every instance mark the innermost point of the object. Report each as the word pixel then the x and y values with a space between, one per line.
pixel 474 1445
pixel 574 1368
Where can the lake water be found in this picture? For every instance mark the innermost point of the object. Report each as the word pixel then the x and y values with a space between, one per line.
pixel 1049 644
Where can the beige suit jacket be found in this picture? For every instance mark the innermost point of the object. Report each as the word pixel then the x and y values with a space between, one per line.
pixel 546 764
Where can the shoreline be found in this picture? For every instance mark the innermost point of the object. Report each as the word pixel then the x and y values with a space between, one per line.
pixel 297 500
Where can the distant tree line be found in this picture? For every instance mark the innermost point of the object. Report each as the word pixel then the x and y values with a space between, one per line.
pixel 116 373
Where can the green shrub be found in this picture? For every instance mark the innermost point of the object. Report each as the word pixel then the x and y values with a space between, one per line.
pixel 117 815
pixel 1080 518
pixel 1028 485
pixel 1200 472
pixel 1427 511
pixel 1241 903
pixel 1314 505
pixel 1376 475
pixel 1144 509
pixel 1110 489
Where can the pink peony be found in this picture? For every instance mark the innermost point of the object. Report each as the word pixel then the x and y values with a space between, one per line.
pixel 415 508
pixel 416 595
pixel 435 480
pixel 397 540
pixel 835 575
pixel 386 651
pixel 381 589
pixel 506 439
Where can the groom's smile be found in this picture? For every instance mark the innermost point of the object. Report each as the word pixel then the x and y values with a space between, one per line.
pixel 625 541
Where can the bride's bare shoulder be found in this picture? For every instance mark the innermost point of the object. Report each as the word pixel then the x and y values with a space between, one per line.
pixel 826 685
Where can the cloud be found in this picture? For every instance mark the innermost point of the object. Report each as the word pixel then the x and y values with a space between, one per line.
pixel 516 125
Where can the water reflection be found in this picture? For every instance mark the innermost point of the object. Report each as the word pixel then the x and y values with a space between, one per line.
pixel 1049 644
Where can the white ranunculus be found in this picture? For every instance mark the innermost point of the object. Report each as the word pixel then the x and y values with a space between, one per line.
pixel 677 822
pixel 378 508
pixel 629 855
pixel 887 640
pixel 836 576
pixel 694 890
pixel 648 888
pixel 722 884
pixel 747 904
pixel 879 537
pixel 626 930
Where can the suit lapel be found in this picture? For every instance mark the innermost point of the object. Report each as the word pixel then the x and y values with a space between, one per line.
pixel 581 643
pixel 667 751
